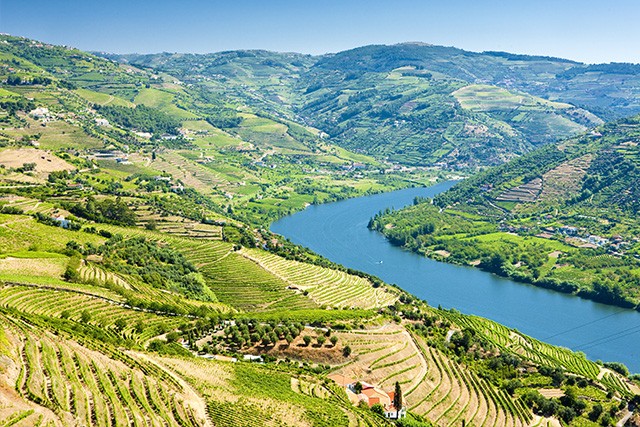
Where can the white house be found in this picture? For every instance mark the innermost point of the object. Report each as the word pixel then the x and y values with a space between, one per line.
pixel 370 395
pixel 40 113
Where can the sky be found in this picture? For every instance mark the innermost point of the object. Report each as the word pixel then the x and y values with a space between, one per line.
pixel 586 30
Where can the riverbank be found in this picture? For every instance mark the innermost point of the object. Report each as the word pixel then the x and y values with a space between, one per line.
pixel 338 231
pixel 564 287
pixel 549 256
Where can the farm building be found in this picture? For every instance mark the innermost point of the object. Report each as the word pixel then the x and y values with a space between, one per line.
pixel 40 113
pixel 360 391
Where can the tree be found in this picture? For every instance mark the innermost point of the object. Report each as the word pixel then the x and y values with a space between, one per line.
pixel 567 414
pixel 511 386
pixel 357 387
pixel 321 340
pixel 173 337
pixel 307 340
pixel 266 340
pixel 85 316
pixel 397 397
pixel 334 340
pixel 27 167
pixel 288 338
pixel 346 351
pixel 273 337
pixel 595 412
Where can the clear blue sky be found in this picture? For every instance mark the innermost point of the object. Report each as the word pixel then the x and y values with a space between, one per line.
pixel 584 30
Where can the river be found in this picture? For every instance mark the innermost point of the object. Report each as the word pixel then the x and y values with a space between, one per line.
pixel 338 231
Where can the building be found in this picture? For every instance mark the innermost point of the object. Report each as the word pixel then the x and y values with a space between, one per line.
pixel 75 186
pixel 569 231
pixel 370 395
pixel 40 113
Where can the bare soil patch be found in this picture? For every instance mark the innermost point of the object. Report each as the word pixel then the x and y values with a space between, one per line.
pixel 46 162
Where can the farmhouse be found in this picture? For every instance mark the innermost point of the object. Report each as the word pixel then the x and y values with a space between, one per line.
pixel 360 391
pixel 75 186
pixel 40 113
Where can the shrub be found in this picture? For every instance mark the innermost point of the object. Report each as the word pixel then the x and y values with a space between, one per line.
pixel 377 409
pixel 346 351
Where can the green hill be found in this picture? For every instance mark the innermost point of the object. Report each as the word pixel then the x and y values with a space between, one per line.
pixel 416 103
pixel 136 271
pixel 563 217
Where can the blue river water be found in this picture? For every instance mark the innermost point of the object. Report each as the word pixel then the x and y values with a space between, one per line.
pixel 338 231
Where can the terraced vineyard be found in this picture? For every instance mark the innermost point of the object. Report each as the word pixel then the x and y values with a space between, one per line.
pixel 565 180
pixel 527 192
pixel 434 385
pixel 451 393
pixel 26 204
pixel 254 279
pixel 92 274
pixel 70 384
pixel 103 313
pixel 332 288
pixel 543 353
pixel 241 283
pixel 177 226
pixel 235 280
pixel 191 174
pixel 253 396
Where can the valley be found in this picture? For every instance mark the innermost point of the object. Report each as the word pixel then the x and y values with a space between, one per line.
pixel 145 279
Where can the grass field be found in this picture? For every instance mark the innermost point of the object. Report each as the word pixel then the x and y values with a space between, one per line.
pixel 164 101
pixel 100 98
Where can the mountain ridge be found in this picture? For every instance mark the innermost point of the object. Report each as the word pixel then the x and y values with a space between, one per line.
pixel 296 95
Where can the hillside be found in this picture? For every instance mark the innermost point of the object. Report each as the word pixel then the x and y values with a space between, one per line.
pixel 416 103
pixel 563 217
pixel 142 125
pixel 140 287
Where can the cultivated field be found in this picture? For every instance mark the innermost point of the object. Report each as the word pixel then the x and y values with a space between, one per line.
pixel 45 161
pixel 434 385
pixel 324 286
pixel 544 354
pixel 70 384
